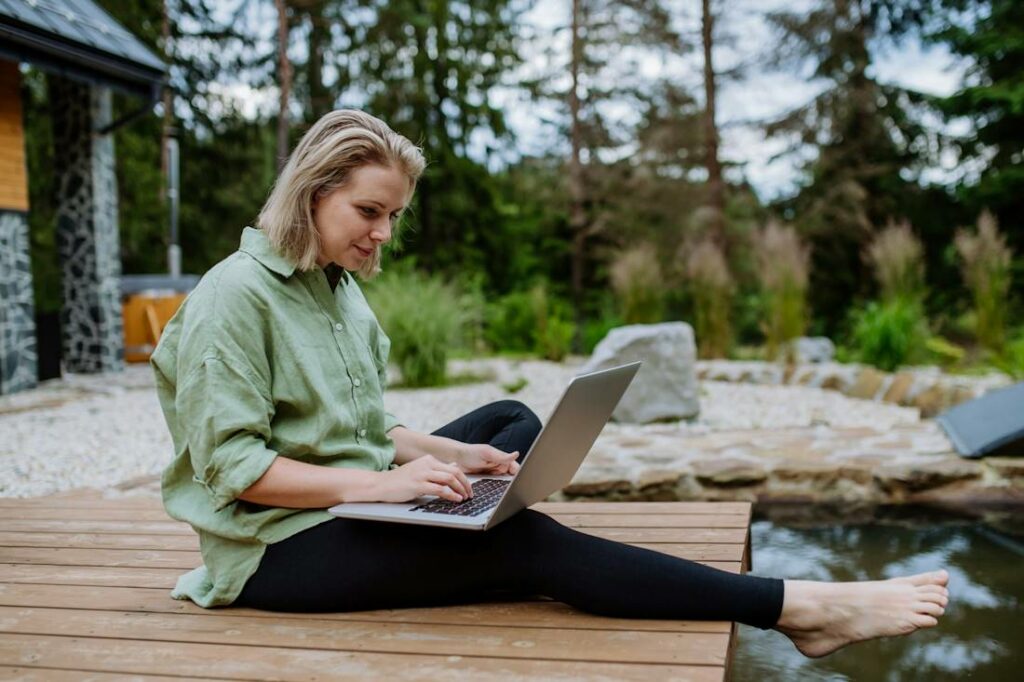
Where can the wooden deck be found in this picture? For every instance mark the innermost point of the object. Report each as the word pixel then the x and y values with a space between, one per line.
pixel 84 585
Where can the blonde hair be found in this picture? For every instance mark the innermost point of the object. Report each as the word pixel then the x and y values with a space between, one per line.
pixel 339 143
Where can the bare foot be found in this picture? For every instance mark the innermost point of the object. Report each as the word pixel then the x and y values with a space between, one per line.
pixel 821 617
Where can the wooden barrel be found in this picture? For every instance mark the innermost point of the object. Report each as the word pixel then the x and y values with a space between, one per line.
pixel 145 316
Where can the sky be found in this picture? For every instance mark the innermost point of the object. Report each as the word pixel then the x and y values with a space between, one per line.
pixel 743 37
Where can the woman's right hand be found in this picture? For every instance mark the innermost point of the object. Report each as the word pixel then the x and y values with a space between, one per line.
pixel 425 475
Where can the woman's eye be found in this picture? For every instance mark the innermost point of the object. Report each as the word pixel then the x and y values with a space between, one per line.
pixel 369 212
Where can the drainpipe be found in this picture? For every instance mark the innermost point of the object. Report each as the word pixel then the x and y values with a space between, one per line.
pixel 173 249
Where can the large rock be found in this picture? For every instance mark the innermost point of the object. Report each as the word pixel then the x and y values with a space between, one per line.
pixel 808 349
pixel 665 388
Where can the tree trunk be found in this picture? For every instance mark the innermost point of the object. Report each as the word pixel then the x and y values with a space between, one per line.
pixel 577 212
pixel 320 101
pixel 716 187
pixel 168 102
pixel 284 77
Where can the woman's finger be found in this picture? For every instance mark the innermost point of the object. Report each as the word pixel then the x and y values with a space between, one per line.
pixel 443 491
pixel 446 476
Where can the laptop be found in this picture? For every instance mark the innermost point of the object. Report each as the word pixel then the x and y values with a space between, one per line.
pixel 553 459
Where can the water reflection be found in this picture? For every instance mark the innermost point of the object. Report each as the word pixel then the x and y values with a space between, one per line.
pixel 981 637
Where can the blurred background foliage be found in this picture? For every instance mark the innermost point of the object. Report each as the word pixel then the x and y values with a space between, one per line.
pixel 622 219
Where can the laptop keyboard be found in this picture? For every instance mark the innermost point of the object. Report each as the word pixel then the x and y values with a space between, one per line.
pixel 486 493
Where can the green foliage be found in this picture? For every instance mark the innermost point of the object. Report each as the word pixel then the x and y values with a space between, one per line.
pixel 944 351
pixel 516 386
pixel 896 255
pixel 889 334
pixel 1011 359
pixel 596 329
pixel 987 35
pixel 712 288
pixel 638 284
pixel 511 323
pixel 986 269
pixel 530 321
pixel 422 316
pixel 783 264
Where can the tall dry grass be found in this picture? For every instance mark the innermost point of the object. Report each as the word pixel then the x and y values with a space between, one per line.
pixel 713 291
pixel 783 267
pixel 637 281
pixel 986 260
pixel 897 258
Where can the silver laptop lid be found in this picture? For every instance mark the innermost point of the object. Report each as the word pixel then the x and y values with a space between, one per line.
pixel 566 438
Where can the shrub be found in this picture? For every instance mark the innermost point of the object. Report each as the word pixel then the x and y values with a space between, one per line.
pixel 554 331
pixel 423 316
pixel 637 281
pixel 595 330
pixel 510 323
pixel 530 322
pixel 986 270
pixel 890 333
pixel 897 258
pixel 1011 360
pixel 783 263
pixel 713 291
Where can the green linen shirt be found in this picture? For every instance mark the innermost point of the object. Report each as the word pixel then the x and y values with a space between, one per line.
pixel 264 360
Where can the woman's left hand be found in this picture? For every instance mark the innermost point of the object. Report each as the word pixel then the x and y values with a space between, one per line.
pixel 480 458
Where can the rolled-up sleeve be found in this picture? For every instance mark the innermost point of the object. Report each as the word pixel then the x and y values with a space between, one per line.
pixel 381 355
pixel 226 415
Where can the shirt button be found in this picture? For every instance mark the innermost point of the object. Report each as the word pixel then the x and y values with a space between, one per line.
pixel 339 327
pixel 356 382
pixel 362 433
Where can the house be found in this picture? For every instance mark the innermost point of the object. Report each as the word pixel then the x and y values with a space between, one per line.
pixel 85 54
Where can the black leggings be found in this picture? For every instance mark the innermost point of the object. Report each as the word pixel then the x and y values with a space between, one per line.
pixel 351 565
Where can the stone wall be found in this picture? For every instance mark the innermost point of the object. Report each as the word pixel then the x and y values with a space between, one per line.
pixel 17 321
pixel 925 388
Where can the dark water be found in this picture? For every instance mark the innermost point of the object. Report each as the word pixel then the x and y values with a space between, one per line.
pixel 981 637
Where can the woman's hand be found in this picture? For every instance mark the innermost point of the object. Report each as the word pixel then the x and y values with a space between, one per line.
pixel 425 475
pixel 480 458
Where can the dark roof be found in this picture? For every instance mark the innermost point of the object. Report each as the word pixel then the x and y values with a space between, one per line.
pixel 78 39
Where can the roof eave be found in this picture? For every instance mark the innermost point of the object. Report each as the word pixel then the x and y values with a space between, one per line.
pixel 79 62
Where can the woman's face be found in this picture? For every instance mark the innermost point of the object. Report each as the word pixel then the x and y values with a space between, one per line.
pixel 356 219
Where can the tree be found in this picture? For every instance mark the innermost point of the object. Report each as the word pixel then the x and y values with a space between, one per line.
pixel 716 186
pixel 990 34
pixel 865 133
pixel 429 69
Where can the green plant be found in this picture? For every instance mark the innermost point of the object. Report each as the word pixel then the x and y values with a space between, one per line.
pixel 637 281
pixel 944 352
pixel 986 270
pixel 422 315
pixel 897 257
pixel 890 333
pixel 510 322
pixel 554 332
pixel 595 330
pixel 783 264
pixel 515 386
pixel 1011 360
pixel 712 287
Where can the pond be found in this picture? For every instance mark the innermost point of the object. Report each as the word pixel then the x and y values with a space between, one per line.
pixel 981 637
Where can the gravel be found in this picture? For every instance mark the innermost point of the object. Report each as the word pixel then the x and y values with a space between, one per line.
pixel 100 431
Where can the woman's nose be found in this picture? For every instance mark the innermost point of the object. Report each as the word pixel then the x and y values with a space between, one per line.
pixel 381 231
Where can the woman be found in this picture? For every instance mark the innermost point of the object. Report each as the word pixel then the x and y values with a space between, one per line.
pixel 271 378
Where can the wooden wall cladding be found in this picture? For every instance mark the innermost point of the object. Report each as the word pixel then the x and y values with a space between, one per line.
pixel 13 177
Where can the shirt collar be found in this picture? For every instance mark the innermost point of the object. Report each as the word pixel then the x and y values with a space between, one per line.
pixel 256 244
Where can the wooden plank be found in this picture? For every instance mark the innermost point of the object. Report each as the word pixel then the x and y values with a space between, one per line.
pixel 528 613
pixel 39 538
pixel 147 514
pixel 84 500
pixel 723 535
pixel 297 665
pixel 186 559
pixel 13 674
pixel 162 578
pixel 84 576
pixel 467 639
